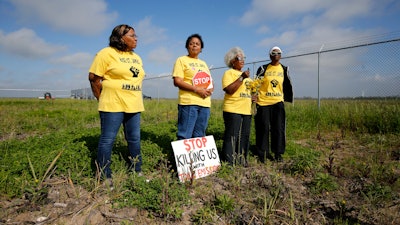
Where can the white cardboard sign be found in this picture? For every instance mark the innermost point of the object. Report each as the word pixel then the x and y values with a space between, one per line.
pixel 197 157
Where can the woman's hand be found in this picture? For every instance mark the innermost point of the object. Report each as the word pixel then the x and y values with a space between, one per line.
pixel 254 98
pixel 202 92
pixel 246 73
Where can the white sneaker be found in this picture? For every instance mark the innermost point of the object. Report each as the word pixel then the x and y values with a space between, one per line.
pixel 108 183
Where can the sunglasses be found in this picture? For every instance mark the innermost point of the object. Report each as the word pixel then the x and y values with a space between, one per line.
pixel 238 58
pixel 275 53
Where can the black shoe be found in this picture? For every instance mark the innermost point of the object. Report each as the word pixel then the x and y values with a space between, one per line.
pixel 278 158
pixel 270 157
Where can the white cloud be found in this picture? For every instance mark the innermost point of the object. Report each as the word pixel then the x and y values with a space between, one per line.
pixel 160 55
pixel 262 30
pixel 339 11
pixel 306 23
pixel 336 13
pixel 79 60
pixel 86 17
pixel 52 72
pixel 27 44
pixel 376 78
pixel 261 10
pixel 148 33
pixel 285 38
pixel 308 13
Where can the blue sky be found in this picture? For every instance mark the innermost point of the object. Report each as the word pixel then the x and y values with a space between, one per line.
pixel 49 44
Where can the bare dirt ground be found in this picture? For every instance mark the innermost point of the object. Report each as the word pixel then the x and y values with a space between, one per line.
pixel 70 205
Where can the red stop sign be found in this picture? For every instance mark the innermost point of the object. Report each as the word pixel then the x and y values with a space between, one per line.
pixel 201 79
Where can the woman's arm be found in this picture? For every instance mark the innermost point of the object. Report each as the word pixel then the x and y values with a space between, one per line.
pixel 95 84
pixel 232 88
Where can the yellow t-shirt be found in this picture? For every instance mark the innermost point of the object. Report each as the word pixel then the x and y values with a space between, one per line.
pixel 122 74
pixel 187 68
pixel 271 90
pixel 240 101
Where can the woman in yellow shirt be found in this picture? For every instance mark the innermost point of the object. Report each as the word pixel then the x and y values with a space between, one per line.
pixel 116 76
pixel 193 78
pixel 271 117
pixel 236 109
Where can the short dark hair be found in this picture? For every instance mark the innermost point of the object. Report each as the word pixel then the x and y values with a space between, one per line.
pixel 194 36
pixel 116 37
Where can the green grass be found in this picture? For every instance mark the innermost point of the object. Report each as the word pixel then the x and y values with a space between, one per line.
pixel 348 147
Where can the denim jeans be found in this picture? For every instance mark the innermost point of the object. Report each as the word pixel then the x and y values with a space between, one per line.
pixel 235 147
pixel 192 121
pixel 110 124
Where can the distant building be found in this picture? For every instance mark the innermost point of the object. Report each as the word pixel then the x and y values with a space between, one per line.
pixel 84 93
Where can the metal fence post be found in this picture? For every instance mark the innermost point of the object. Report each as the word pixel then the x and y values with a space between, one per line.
pixel 319 99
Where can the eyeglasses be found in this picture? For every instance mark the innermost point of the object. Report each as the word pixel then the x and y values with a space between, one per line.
pixel 275 53
pixel 133 36
pixel 238 58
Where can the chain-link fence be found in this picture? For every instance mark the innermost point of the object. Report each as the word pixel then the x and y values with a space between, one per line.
pixel 362 69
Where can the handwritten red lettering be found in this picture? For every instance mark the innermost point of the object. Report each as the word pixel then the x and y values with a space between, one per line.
pixel 187 146
pixel 194 143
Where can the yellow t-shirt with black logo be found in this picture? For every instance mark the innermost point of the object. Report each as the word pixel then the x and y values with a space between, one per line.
pixel 271 90
pixel 186 68
pixel 122 74
pixel 240 101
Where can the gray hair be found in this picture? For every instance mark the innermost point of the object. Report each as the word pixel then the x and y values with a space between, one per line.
pixel 231 54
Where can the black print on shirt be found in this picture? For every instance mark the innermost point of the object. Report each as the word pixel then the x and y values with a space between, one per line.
pixel 131 87
pixel 274 83
pixel 197 65
pixel 134 71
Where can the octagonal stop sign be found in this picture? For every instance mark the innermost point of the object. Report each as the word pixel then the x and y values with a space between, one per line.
pixel 202 79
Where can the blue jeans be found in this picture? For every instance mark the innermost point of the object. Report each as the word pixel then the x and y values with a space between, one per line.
pixel 192 121
pixel 110 124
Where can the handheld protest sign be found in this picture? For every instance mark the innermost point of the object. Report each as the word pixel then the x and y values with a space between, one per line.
pixel 202 80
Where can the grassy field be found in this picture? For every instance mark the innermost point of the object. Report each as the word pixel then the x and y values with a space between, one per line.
pixel 341 166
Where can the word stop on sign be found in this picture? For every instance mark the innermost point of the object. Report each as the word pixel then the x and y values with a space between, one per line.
pixel 202 80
